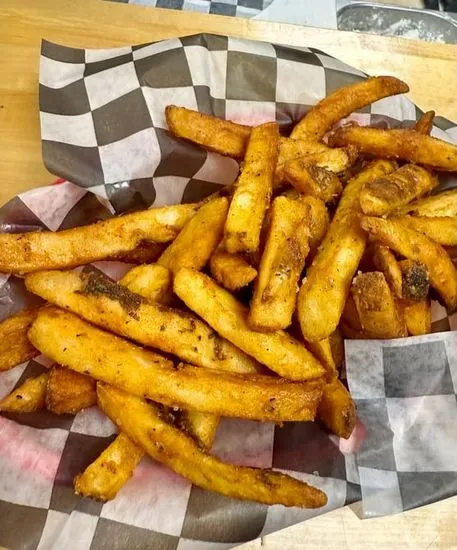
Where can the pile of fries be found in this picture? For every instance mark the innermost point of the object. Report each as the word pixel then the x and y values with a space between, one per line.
pixel 240 304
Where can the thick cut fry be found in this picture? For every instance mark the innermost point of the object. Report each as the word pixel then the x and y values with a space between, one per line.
pixel 253 190
pixel 88 350
pixel 27 252
pixel 15 347
pixel 222 136
pixel 320 119
pixel 322 297
pixel 418 317
pixel 96 298
pixel 442 230
pixel 384 194
pixel 277 350
pixel 425 123
pixel 442 204
pixel 337 409
pixel 402 144
pixel 198 239
pixel 104 477
pixel 200 426
pixel 231 271
pixel 350 316
pixel 152 282
pixel 69 392
pixel 312 180
pixel 378 312
pixel 144 253
pixel 337 347
pixel 418 247
pixel 165 443
pixel 28 397
pixel 283 260
pixel 320 221
pixel 415 280
pixel 385 261
pixel 323 351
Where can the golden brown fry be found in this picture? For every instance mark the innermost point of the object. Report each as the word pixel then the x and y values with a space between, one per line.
pixel 320 118
pixel 337 347
pixel 378 312
pixel 418 317
pixel 28 397
pixel 166 444
pixel 322 297
pixel 403 144
pixel 283 260
pixel 104 477
pixel 144 253
pixel 425 123
pixel 320 221
pixel 27 252
pixel 152 281
pixel 198 239
pixel 74 343
pixel 442 230
pixel 231 271
pixel 277 350
pixel 442 204
pixel 96 298
pixel 323 351
pixel 337 409
pixel 69 392
pixel 384 194
pixel 350 316
pixel 415 280
pixel 385 261
pixel 253 190
pixel 313 180
pixel 15 347
pixel 200 426
pixel 418 247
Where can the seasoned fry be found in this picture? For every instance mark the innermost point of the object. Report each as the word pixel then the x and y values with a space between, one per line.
pixel 337 409
pixel 337 347
pixel 69 392
pixel 200 426
pixel 384 194
pixel 144 253
pixel 96 298
pixel 15 347
pixel 104 477
pixel 165 443
pixel 418 317
pixel 253 190
pixel 313 180
pixel 28 397
pixel 385 261
pixel 320 118
pixel 323 294
pixel 425 123
pixel 277 350
pixel 402 144
pixel 418 247
pixel 74 343
pixel 231 271
pixel 415 280
pixel 320 221
pixel 378 312
pixel 34 251
pixel 350 316
pixel 442 230
pixel 152 282
pixel 198 239
pixel 323 351
pixel 442 204
pixel 283 260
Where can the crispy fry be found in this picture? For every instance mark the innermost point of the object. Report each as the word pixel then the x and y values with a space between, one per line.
pixel 320 221
pixel 198 239
pixel 403 144
pixel 385 261
pixel 15 347
pixel 283 260
pixel 418 317
pixel 27 252
pixel 323 351
pixel 69 392
pixel 144 253
pixel 86 349
pixel 425 123
pixel 104 477
pixel 418 247
pixel 28 397
pixel 277 350
pixel 322 297
pixel 442 204
pixel 231 271
pixel 163 442
pixel 337 347
pixel 313 180
pixel 378 312
pixel 253 190
pixel 442 230
pixel 152 282
pixel 415 280
pixel 96 298
pixel 320 118
pixel 200 426
pixel 384 194
pixel 337 409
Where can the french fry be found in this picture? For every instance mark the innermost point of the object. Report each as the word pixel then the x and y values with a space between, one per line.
pixel 15 347
pixel 337 409
pixel 99 300
pixel 283 260
pixel 418 247
pixel 198 239
pixel 313 180
pixel 322 350
pixel 69 392
pixel 442 229
pixel 253 190
pixel 337 347
pixel 144 253
pixel 28 397
pixel 378 312
pixel 350 316
pixel 442 204
pixel 34 251
pixel 418 317
pixel 425 123
pixel 415 280
pixel 402 144
pixel 76 344
pixel 231 271
pixel 385 261
pixel 227 316
pixel 104 477
pixel 323 294
pixel 165 443
pixel 202 427
pixel 320 221
pixel 152 281
pixel 382 195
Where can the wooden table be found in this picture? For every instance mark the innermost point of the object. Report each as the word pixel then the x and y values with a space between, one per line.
pixel 429 69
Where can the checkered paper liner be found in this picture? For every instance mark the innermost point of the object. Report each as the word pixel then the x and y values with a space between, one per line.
pixel 103 128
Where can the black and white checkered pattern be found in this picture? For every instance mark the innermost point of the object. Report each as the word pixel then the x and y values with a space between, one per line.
pixel 103 128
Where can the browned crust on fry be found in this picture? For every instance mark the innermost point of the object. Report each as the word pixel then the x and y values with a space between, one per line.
pixel 15 347
pixel 28 397
pixel 337 409
pixel 385 261
pixel 441 204
pixel 231 270
pixel 313 180
pixel 69 392
pixel 425 123
pixel 415 280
